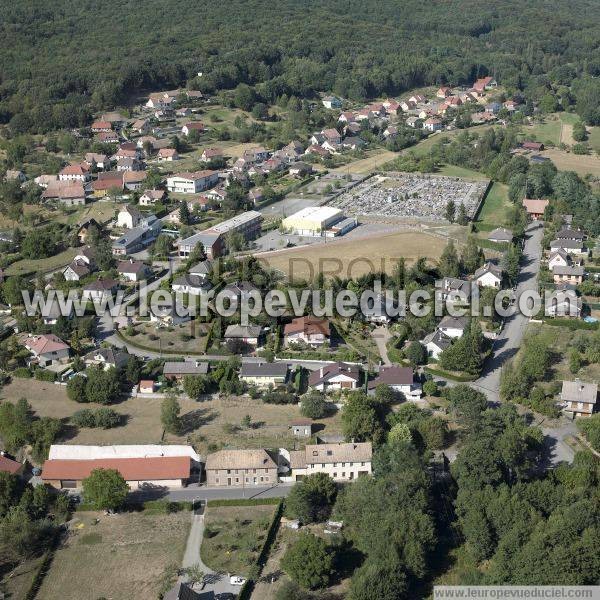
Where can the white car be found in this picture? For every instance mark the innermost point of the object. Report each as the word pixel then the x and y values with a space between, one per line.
pixel 236 580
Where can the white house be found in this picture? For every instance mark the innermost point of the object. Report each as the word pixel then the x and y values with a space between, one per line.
pixel 489 275
pixel 133 270
pixel 453 327
pixel 338 376
pixel 400 379
pixel 435 343
pixel 47 349
pixel 559 258
pixel 191 284
pixel 432 124
pixel 192 183
pixel 129 217
pixel 99 290
pixel 571 246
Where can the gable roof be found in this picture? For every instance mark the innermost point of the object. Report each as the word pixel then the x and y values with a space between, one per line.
pixel 579 391
pixel 8 465
pixel 309 325
pixel 535 205
pixel 185 367
pixel 324 374
pixel 275 369
pixel 240 459
pixel 345 452
pixel 43 344
pixel 393 375
pixel 502 234
pixel 449 322
pixel 132 469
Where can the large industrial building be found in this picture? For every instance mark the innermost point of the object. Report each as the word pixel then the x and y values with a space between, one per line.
pixel 314 221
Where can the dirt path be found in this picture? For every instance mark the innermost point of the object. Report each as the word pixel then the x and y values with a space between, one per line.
pixel 381 335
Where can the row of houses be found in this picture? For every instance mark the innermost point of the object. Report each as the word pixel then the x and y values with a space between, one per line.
pixel 175 466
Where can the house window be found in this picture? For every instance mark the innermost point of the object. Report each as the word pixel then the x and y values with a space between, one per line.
pixel 228 471
pixel 261 478
pixel 315 453
pixel 335 464
pixel 343 474
pixel 323 466
pixel 329 453
pixel 334 475
pixel 216 480
pixel 362 464
pixel 237 479
pixel 266 478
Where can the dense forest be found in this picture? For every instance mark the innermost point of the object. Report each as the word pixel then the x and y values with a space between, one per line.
pixel 60 61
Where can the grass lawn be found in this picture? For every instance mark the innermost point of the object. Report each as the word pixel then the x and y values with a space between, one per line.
pixel 594 138
pixel 215 422
pixel 424 146
pixel 123 556
pixel 549 131
pixel 43 265
pixel 495 206
pixel 172 339
pixel 19 584
pixel 354 257
pixel 376 159
pixel 454 171
pixel 234 537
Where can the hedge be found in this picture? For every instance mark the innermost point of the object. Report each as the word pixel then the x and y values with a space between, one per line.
pixel 248 587
pixel 450 376
pixel 242 502
pixel 571 324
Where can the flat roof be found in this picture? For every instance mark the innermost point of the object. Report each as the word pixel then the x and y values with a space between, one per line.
pixel 316 212
pixel 236 221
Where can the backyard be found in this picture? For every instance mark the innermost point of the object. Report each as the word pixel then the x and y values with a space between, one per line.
pixel 211 424
pixel 234 537
pixel 121 556
pixel 186 338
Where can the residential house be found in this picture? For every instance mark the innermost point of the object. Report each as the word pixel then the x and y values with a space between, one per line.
pixel 408 105
pixel 192 126
pixel 331 102
pixel 84 229
pixel 128 164
pixel 184 591
pixel 44 181
pixel 108 137
pixel 99 290
pixel 191 284
pixel 412 122
pixel 133 270
pixel 77 270
pixel 332 135
pixel 15 175
pixel 346 117
pixel 264 374
pixel 129 217
pixel 256 195
pixel 9 465
pixel 580 397
pixel 309 330
pixel 151 197
pixel 178 370
pixel 146 386
pixel 203 269
pixel 167 154
pixel 107 358
pixel 209 154
pixel 535 207
pixel 400 379
pixel 77 172
pixel 570 246
pixel 98 126
pixel 240 290
pixel 559 258
pixel 569 274
pixel 141 126
pixel 443 92
pixel 488 275
pixel 564 302
pixel 192 183
pixel 342 462
pixel 246 334
pixel 169 313
pixel 485 83
pixel 138 238
pixel 318 150
pixel 67 192
pixel 106 182
pixel 96 160
pixel 213 243
pixel 47 349
pixel 240 468
pixel 337 376
pixel 451 290
pixel 501 235
pixel 435 343
pixel 433 124
pixel 417 99
pixel 453 327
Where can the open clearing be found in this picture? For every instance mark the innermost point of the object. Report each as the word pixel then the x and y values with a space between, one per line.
pixel 355 257
pixel 215 422
pixel 122 557
pixel 366 165
pixel 43 265
pixel 234 537
pixel 581 164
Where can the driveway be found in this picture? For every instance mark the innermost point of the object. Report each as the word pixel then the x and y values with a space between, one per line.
pixel 381 335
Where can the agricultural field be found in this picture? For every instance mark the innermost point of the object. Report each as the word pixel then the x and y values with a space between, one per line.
pixel 567 161
pixel 122 556
pixel 354 257
pixel 215 422
pixel 234 536
pixel 376 159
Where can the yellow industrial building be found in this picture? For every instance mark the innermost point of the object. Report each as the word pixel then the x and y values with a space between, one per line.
pixel 312 220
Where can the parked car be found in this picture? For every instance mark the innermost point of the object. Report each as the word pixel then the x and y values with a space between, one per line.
pixel 237 580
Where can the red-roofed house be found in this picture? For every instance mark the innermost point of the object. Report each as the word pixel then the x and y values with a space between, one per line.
pixel 78 172
pixel 167 154
pixel 192 126
pixel 443 92
pixel 400 379
pixel 310 330
pixel 485 83
pixel 339 376
pixel 8 465
pixel 433 124
pixel 46 349
pixel 535 207
pixel 98 126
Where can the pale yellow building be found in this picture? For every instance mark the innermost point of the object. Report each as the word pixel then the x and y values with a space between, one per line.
pixel 312 220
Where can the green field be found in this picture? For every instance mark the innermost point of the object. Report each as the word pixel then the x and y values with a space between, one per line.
pixel 594 138
pixel 548 132
pixel 454 171
pixel 495 207
pixel 43 265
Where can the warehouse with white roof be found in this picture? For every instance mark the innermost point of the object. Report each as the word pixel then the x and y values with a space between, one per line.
pixel 312 220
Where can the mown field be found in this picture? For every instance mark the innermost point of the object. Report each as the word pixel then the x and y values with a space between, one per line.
pixel 122 557
pixel 354 257
pixel 495 207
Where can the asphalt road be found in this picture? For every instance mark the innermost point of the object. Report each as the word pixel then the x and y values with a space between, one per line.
pixel 199 493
